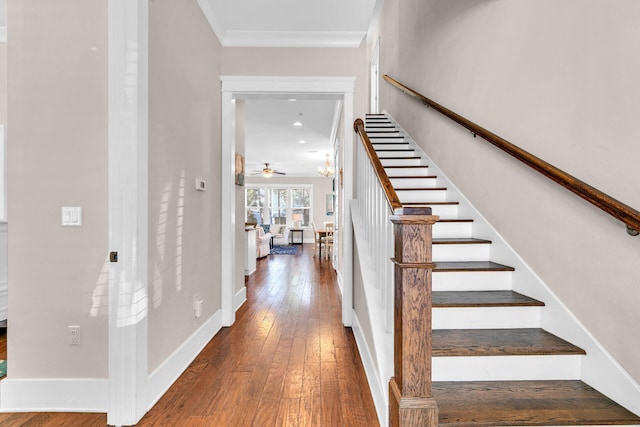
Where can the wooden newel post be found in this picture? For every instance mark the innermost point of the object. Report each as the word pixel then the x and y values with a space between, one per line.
pixel 410 399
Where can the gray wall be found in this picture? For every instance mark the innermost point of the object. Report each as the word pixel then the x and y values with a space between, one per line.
pixel 557 79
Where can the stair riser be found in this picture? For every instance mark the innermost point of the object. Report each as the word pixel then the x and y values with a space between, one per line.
pixel 383 134
pixel 407 171
pixel 506 368
pixel 452 229
pixel 396 153
pixel 400 162
pixel 445 211
pixel 391 144
pixel 388 131
pixel 466 252
pixel 486 317
pixel 472 281
pixel 413 182
pixel 422 196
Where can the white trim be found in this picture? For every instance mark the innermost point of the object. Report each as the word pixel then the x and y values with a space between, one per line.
pixel 128 210
pixel 347 191
pixel 212 18
pixel 168 372
pixel 54 395
pixel 335 39
pixel 287 84
pixel 233 86
pixel 378 390
pixel 239 298
pixel 228 208
pixel 3 34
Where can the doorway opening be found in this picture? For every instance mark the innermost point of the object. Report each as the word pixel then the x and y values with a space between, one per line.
pixel 235 88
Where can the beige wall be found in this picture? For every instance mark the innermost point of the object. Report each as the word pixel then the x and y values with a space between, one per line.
pixel 301 62
pixel 3 83
pixel 184 144
pixel 57 157
pixel 557 79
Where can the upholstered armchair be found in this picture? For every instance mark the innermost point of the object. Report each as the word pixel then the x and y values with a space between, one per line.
pixel 280 234
pixel 263 242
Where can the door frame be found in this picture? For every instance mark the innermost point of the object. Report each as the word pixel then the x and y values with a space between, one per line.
pixel 237 86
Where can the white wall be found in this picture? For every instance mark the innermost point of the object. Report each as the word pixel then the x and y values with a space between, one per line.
pixel 557 79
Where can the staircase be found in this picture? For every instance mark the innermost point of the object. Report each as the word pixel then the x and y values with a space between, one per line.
pixel 493 363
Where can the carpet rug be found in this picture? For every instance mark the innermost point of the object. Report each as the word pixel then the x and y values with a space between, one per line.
pixel 284 250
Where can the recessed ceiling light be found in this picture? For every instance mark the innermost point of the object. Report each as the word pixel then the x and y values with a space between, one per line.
pixel 291 99
pixel 297 124
pixel 302 141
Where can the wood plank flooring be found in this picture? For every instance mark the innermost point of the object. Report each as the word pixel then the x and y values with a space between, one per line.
pixel 287 361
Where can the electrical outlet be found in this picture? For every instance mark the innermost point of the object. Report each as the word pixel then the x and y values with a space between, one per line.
pixel 197 306
pixel 74 335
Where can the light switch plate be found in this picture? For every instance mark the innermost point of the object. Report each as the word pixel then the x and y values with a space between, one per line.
pixel 72 216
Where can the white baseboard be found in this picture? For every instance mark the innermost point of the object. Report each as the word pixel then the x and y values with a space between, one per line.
pixel 54 395
pixel 166 374
pixel 239 298
pixel 378 390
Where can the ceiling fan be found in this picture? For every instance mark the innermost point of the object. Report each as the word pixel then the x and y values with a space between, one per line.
pixel 268 172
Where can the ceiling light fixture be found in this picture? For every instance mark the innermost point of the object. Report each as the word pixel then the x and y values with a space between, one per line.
pixel 302 141
pixel 267 173
pixel 327 171
pixel 297 123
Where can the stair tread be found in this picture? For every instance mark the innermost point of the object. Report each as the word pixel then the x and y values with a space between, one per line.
pixel 430 203
pixel 405 166
pixel 499 342
pixel 420 188
pixel 459 241
pixel 525 403
pixel 413 177
pixel 450 299
pixel 471 266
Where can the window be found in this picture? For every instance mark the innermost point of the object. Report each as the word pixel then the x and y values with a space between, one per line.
pixel 275 204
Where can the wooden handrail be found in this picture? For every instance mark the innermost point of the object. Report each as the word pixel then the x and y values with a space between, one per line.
pixel 613 207
pixel 383 178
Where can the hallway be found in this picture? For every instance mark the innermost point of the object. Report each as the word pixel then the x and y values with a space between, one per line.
pixel 287 361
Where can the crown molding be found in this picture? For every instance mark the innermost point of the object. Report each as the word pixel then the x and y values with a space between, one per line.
pixel 339 39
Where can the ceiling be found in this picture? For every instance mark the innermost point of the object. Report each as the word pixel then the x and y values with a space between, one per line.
pixel 270 136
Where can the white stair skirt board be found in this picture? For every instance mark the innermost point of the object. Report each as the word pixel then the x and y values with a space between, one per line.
pixel 486 317
pixel 507 368
pixel 462 252
pixel 378 389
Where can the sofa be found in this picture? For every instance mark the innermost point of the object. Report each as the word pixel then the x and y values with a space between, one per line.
pixel 263 243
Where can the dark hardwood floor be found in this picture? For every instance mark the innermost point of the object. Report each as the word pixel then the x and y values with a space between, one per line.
pixel 287 361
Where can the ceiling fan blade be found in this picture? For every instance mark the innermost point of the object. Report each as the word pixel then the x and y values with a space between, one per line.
pixel 279 173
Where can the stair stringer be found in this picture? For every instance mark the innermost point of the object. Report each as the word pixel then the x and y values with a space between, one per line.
pixel 598 369
pixel 376 353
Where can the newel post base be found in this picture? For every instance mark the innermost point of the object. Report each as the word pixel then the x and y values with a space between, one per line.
pixel 410 411
pixel 410 400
